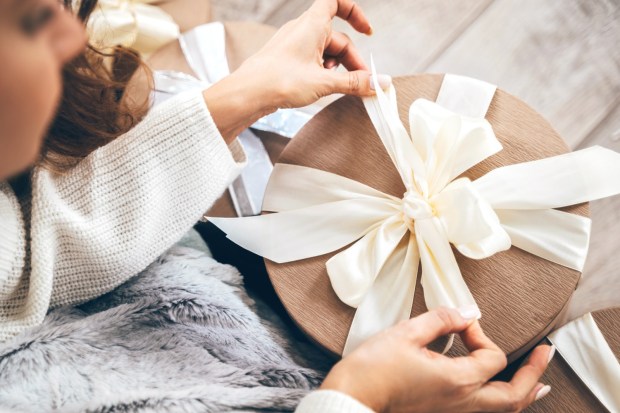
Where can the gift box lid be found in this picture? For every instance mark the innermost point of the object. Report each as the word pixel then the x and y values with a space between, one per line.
pixel 519 294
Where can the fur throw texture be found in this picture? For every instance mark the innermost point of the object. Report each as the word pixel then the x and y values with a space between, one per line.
pixel 183 336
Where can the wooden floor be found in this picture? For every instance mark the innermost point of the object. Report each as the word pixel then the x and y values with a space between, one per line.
pixel 560 56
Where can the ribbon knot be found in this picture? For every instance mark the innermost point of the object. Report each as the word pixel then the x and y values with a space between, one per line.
pixel 416 208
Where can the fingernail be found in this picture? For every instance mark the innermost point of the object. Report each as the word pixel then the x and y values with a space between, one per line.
pixel 543 392
pixel 384 81
pixel 551 354
pixel 469 312
pixel 371 30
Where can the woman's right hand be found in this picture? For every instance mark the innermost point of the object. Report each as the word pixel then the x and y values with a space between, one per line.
pixel 294 68
pixel 396 372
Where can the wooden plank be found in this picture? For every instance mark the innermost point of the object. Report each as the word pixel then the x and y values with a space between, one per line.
pixel 600 284
pixel 288 10
pixel 408 35
pixel 562 57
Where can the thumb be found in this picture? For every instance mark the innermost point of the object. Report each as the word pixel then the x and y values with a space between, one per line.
pixel 358 82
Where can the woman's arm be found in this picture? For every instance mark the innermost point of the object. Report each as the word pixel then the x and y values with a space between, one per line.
pixel 127 202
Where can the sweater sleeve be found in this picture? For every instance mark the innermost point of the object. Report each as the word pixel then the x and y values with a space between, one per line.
pixel 330 401
pixel 126 203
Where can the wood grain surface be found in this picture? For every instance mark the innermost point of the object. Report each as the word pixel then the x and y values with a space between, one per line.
pixel 187 13
pixel 520 295
pixel 598 289
pixel 556 55
pixel 409 35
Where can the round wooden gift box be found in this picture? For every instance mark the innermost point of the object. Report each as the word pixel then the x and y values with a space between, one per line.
pixel 520 295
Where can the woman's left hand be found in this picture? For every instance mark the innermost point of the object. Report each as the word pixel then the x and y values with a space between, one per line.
pixel 295 68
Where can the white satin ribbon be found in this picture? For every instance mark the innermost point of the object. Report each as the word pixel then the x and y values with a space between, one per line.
pixel 319 212
pixel 131 23
pixel 584 348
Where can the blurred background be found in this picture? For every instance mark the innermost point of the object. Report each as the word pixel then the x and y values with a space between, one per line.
pixel 562 57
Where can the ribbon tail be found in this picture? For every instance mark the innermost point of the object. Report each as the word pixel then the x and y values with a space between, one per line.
pixel 306 232
pixel 555 182
pixel 554 235
pixel 584 348
pixel 442 280
pixel 390 298
pixel 465 96
pixel 383 112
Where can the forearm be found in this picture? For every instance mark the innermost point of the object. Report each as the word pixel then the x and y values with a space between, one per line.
pixel 239 100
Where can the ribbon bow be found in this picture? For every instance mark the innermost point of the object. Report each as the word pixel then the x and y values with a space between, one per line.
pixel 319 212
pixel 131 23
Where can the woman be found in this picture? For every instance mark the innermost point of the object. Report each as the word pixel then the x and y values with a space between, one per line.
pixel 69 237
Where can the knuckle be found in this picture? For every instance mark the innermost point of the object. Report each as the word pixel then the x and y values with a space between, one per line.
pixel 512 403
pixel 405 329
pixel 444 317
pixel 344 51
pixel 463 383
pixel 350 13
pixel 354 82
pixel 502 360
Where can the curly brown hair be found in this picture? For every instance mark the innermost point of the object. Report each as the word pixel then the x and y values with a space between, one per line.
pixel 92 111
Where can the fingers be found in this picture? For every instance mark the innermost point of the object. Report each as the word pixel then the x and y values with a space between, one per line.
pixel 484 355
pixel 431 325
pixel 342 48
pixel 347 10
pixel 351 83
pixel 528 375
pixel 357 83
pixel 330 63
pixel 522 390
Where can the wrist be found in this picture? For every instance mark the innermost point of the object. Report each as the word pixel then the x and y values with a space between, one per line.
pixel 340 381
pixel 236 102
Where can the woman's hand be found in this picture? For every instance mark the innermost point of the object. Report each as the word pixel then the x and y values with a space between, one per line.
pixel 395 372
pixel 294 68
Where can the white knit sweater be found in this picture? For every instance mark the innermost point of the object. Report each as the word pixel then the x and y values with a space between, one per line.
pixel 96 226
pixel 107 219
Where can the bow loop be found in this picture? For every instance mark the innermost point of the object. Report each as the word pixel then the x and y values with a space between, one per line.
pixel 449 143
pixel 471 224
pixel 353 271
pixel 131 23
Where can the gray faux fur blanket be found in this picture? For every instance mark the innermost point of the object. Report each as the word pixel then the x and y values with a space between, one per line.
pixel 183 336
